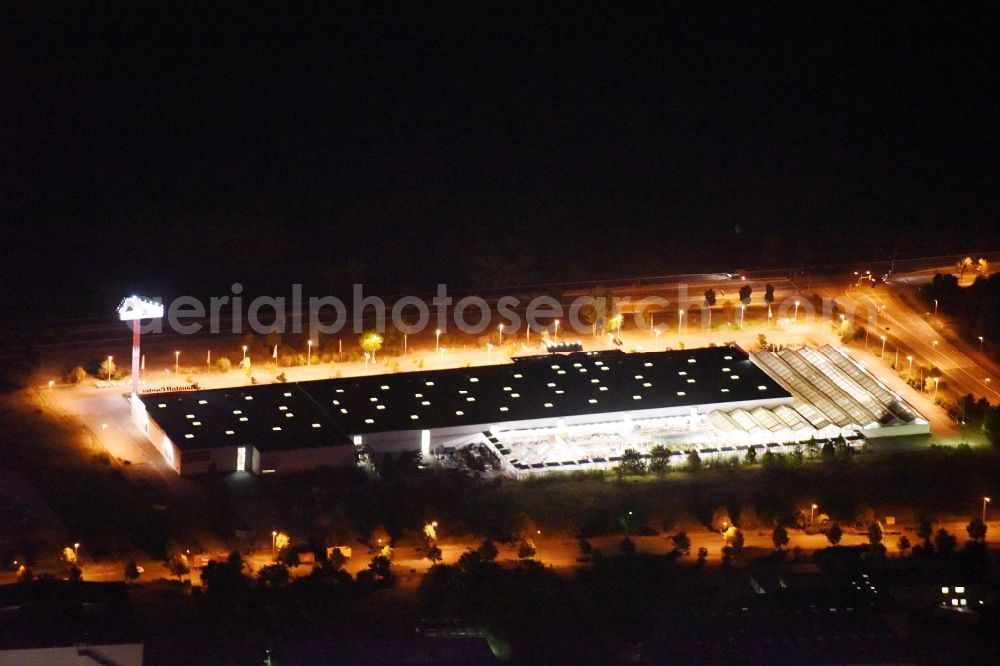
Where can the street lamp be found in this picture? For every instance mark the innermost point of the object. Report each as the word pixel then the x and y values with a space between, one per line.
pixel 274 540
pixel 51 382
pixel 309 353
pixel 110 358
pixel 244 352
pixel 909 372
pixel 980 344
pixel 812 514
pixel 500 334
pixel 556 333
pixel 937 380
pixel 883 346
pixel 742 307
pixel 657 332
pixel 934 349
pixel 76 548
pixel 986 500
pixel 680 318
pixel 437 340
pixel 795 317
pixel 935 307
pixel 177 362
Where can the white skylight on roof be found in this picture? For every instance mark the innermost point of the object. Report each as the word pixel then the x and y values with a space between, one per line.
pixel 517 375
pixel 316 425
pixel 691 360
pixel 249 397
pixel 638 376
pixel 190 416
pixel 196 423
pixel 548 404
pixel 369 420
pixel 243 418
pixel 470 399
pixel 637 397
pixel 728 358
pixel 189 436
pixel 592 401
pixel 462 392
pixel 598 362
pixel 561 372
pixel 473 379
pixel 515 395
pixel 336 402
pixel 414 417
pixel 551 384
pixel 276 428
pixel 577 365
pixel 604 388
pixel 725 369
pixel 282 407
pixel 690 380
pixel 681 393
pixel 583 369
pixel 646 384
pixel 503 409
pixel 595 381
pixel 604 368
pixel 418 395
pixel 384 387
pixel 555 367
pixel 289 415
pixel 761 388
pixel 288 394
pixel 425 402
pixel 648 364
pixel 230 432
pixel 428 383
pixel 559 391
pixel 682 373
pixel 379 406
pixel 459 413
pixel 725 390
pixel 237 411
pixel 734 376
pixel 340 390
pixel 373 399
pixel 203 402
pixel 507 388
pixel 343 411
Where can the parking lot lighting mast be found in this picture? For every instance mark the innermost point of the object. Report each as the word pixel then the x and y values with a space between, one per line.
pixel 437 340
pixel 980 344
pixel 110 359
pixel 133 309
pixel 986 500
pixel 309 353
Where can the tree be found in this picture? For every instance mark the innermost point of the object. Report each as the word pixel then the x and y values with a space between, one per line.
pixel 626 546
pixel 632 463
pixel 903 545
pixel 76 375
pixel 682 543
pixel 720 519
pixel 702 555
pixel 769 294
pixel 976 529
pixel 749 518
pixel 991 426
pixel 178 565
pixel 734 540
pixel 945 542
pixel 487 551
pixel 659 459
pixel 693 461
pixel 273 575
pixel 710 297
pixel 875 533
pixel 434 554
pixel 834 534
pixel 381 568
pixel 526 550
pixel 75 574
pixel 585 548
pixel 925 530
pixel 108 368
pixel 761 341
pixel 370 342
pixel 131 572
pixel 223 364
pixel 779 537
pixel 745 292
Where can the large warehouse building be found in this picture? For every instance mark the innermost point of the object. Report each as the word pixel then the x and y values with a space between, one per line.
pixel 539 413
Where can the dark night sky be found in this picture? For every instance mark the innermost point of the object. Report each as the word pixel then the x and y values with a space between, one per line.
pixel 184 149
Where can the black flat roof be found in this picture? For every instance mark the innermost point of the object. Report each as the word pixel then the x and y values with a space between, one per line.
pixel 325 412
